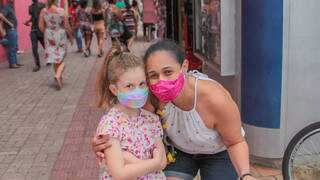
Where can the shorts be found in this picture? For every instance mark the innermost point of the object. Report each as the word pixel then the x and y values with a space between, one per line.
pixel 212 167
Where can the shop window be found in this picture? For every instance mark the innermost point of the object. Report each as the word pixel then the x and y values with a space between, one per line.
pixel 214 27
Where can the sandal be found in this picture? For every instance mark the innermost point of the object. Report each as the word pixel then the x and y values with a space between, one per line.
pixel 58 82
pixel 85 53
pixel 100 54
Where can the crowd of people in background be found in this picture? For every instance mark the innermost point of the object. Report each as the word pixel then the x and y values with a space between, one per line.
pixel 117 19
pixel 52 26
pixel 103 19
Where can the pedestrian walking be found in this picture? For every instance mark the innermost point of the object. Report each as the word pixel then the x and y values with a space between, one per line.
pixel 36 35
pixel 118 31
pixel 137 14
pixel 137 150
pixel 54 24
pixel 202 123
pixel 129 20
pixel 98 18
pixel 75 24
pixel 86 26
pixel 11 33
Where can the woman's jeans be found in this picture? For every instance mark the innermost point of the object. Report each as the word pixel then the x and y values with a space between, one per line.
pixel 78 35
pixel 12 48
pixel 212 167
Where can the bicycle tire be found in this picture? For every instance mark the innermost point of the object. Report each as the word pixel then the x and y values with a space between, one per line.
pixel 295 143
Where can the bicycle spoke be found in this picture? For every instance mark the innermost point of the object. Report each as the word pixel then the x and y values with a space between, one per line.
pixel 303 160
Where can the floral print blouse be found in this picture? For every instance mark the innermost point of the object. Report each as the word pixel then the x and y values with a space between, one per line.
pixel 137 135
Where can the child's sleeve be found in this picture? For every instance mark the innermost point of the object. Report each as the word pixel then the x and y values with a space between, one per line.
pixel 158 132
pixel 109 126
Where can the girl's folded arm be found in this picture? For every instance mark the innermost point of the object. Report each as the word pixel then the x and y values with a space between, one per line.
pixel 121 171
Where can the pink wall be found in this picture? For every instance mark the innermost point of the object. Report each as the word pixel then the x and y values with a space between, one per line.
pixel 21 7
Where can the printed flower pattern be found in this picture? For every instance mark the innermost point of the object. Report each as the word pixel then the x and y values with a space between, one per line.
pixel 136 135
pixel 55 37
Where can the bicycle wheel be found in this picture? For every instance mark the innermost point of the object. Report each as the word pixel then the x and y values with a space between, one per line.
pixel 301 159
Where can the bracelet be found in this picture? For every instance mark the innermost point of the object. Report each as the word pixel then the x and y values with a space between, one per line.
pixel 244 175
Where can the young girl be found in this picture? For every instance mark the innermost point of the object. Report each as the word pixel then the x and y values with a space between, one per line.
pixel 136 151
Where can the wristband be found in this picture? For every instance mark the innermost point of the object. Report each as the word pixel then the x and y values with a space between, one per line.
pixel 244 175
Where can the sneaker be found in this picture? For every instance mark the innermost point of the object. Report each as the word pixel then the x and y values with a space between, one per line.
pixel 79 51
pixel 35 69
pixel 20 52
pixel 14 66
pixel 18 64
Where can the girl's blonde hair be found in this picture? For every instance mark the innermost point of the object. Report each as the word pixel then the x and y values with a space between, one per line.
pixel 115 64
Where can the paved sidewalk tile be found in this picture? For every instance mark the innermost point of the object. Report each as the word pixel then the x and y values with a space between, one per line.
pixel 35 117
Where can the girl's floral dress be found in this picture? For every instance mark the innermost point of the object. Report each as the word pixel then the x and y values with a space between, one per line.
pixel 55 37
pixel 136 135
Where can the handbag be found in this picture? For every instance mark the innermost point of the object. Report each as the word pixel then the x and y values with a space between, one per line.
pixel 3 32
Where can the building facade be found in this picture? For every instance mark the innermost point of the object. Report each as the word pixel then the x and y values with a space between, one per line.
pixel 266 54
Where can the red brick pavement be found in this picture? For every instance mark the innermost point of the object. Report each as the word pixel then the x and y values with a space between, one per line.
pixel 76 160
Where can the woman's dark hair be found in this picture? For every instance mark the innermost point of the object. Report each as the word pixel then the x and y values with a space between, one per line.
pixel 111 1
pixel 134 3
pixel 83 4
pixel 127 3
pixel 166 45
pixel 96 4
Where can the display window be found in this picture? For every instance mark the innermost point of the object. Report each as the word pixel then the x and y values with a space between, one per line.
pixel 207 30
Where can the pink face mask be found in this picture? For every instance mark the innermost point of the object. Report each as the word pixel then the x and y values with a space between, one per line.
pixel 167 91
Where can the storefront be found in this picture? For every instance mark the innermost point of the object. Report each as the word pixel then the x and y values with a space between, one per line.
pixel 208 31
pixel 266 54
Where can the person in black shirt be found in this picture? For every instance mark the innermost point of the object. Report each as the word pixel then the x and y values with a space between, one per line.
pixel 35 35
pixel 11 33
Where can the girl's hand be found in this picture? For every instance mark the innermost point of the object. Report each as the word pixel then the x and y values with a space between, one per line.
pixel 99 144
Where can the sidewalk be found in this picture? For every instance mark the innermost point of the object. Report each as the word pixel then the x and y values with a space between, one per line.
pixel 46 134
pixel 34 117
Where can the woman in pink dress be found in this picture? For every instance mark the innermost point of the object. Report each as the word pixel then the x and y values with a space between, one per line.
pixel 54 23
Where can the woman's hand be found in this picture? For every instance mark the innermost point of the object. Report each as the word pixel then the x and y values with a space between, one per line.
pixel 249 178
pixel 157 157
pixel 99 144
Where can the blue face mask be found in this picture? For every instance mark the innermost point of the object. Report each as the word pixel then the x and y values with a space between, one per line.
pixel 136 98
